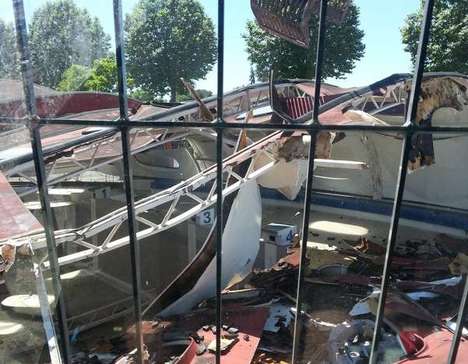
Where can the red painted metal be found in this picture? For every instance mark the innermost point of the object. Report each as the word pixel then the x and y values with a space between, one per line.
pixel 436 350
pixel 327 92
pixel 15 219
pixel 189 354
pixel 291 259
pixel 66 103
pixel 250 322
pixel 298 106
pixel 411 342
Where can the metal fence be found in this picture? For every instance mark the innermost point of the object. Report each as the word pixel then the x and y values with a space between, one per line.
pixel 408 129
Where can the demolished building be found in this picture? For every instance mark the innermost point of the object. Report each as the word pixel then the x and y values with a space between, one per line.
pixel 369 276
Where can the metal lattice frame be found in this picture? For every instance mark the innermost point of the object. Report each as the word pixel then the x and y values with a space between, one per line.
pixel 124 125
pixel 167 200
pixel 157 138
pixel 20 169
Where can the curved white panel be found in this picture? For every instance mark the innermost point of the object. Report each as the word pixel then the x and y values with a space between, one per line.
pixel 240 247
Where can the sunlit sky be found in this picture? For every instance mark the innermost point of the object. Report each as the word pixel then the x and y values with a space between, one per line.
pixel 380 20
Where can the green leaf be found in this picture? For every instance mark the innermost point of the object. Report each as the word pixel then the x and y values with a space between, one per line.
pixel 344 47
pixel 167 40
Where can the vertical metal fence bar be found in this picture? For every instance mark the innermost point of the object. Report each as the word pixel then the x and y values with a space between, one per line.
pixel 406 147
pixel 120 60
pixel 309 182
pixel 420 59
pixel 219 179
pixel 39 167
pixel 135 258
pixel 319 58
pixel 460 318
pixel 400 188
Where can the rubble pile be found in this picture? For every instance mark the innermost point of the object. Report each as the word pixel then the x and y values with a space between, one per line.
pixel 426 284
pixel 340 302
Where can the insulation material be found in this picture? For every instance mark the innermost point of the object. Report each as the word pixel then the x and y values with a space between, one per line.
pixel 290 171
pixel 7 257
pixel 436 93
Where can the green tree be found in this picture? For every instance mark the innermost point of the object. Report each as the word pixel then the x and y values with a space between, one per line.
pixel 252 75
pixel 74 78
pixel 344 47
pixel 9 63
pixel 167 40
pixel 143 95
pixel 448 45
pixel 103 76
pixel 185 96
pixel 61 34
pixel 204 93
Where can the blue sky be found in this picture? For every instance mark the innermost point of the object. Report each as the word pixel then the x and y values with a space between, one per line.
pixel 380 20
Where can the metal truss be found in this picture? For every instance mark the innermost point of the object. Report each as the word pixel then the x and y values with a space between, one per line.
pixel 377 102
pixel 170 199
pixel 96 159
pixel 100 315
pixel 84 153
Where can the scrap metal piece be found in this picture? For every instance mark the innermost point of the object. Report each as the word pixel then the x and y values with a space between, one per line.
pixel 7 259
pixel 226 344
pixel 290 19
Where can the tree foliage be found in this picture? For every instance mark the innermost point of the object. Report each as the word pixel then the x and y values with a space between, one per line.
pixel 74 78
pixel 103 76
pixel 185 96
pixel 9 62
pixel 344 47
pixel 448 45
pixel 166 40
pixel 61 34
pixel 252 75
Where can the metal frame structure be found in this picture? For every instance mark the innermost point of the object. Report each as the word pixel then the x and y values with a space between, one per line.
pixel 310 172
pixel 241 100
pixel 167 200
pixel 39 165
pixel 135 258
pixel 124 125
pixel 158 137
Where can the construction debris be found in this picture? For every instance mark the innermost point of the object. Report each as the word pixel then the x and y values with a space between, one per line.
pixel 338 318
